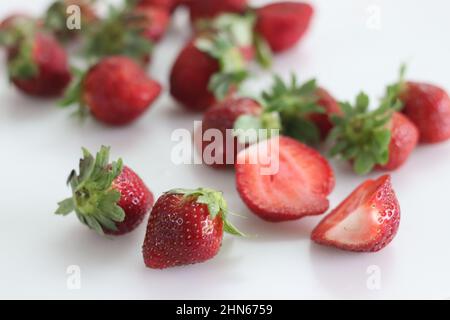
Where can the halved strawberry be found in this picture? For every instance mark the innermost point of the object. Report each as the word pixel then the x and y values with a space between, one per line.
pixel 282 179
pixel 366 221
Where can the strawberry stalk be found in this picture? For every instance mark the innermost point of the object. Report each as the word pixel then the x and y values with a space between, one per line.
pixel 214 200
pixel 363 136
pixel 94 200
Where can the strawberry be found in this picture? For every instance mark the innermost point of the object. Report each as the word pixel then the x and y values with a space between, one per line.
pixel 116 91
pixel 222 117
pixel 56 18
pixel 186 227
pixel 282 179
pixel 155 23
pixel 283 24
pixel 13 19
pixel 125 31
pixel 426 105
pixel 37 63
pixel 212 65
pixel 380 138
pixel 108 198
pixel 207 9
pixel 303 110
pixel 367 221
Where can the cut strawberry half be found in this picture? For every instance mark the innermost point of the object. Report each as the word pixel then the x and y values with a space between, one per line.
pixel 282 179
pixel 366 221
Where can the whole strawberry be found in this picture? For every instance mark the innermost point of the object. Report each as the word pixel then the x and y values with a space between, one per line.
pixel 37 63
pixel 427 105
pixel 108 198
pixel 303 111
pixel 207 9
pixel 58 13
pixel 222 118
pixel 116 91
pixel 381 138
pixel 186 227
pixel 367 221
pixel 154 21
pixel 283 24
pixel 213 65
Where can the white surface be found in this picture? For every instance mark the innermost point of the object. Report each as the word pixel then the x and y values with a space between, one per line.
pixel 40 144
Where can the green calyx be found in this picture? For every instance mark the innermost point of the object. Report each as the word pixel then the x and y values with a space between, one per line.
pixel 20 37
pixel 250 129
pixel 94 200
pixel 74 94
pixel 121 33
pixel 363 136
pixel 295 103
pixel 223 39
pixel 215 202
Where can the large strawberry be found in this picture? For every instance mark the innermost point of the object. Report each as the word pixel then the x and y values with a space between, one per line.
pixel 107 197
pixel 380 138
pixel 282 179
pixel 213 64
pixel 304 111
pixel 220 151
pixel 283 24
pixel 116 91
pixel 207 9
pixel 367 221
pixel 124 31
pixel 57 18
pixel 37 63
pixel 186 227
pixel 427 105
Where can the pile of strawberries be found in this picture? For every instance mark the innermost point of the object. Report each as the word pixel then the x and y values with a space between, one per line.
pixel 187 226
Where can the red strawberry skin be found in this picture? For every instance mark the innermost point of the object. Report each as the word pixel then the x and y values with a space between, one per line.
pixel 299 188
pixel 168 5
pixel 136 200
pixel 118 91
pixel 367 221
pixel 207 9
pixel 223 116
pixel 428 106
pixel 190 76
pixel 53 73
pixel 404 139
pixel 157 22
pixel 331 106
pixel 180 231
pixel 284 23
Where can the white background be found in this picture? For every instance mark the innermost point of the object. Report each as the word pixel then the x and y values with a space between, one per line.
pixel 40 144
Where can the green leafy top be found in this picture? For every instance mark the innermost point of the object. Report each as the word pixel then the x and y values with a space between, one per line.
pixel 394 90
pixel 363 136
pixel 223 39
pixel 74 94
pixel 120 33
pixel 20 37
pixel 215 202
pixel 94 200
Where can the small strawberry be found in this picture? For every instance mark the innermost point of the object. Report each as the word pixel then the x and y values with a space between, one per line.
pixel 380 138
pixel 222 117
pixel 186 227
pixel 213 64
pixel 427 105
pixel 116 91
pixel 37 63
pixel 282 179
pixel 56 18
pixel 108 198
pixel 207 9
pixel 123 32
pixel 304 110
pixel 155 22
pixel 284 23
pixel 367 221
